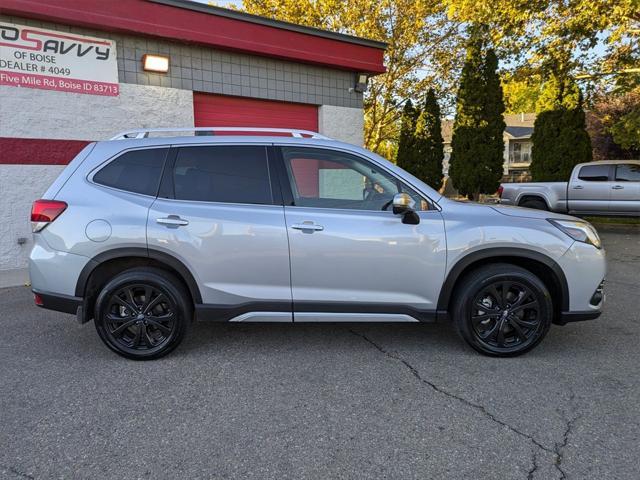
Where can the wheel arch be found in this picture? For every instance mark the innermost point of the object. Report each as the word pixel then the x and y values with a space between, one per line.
pixel 533 196
pixel 539 264
pixel 113 261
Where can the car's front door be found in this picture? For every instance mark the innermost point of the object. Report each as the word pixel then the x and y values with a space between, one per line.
pixel 219 214
pixel 352 259
pixel 625 191
pixel 590 189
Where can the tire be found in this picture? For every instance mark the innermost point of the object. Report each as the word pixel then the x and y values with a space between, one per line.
pixel 502 310
pixel 535 203
pixel 126 328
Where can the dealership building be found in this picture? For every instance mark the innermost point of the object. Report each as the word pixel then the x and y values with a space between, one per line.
pixel 76 71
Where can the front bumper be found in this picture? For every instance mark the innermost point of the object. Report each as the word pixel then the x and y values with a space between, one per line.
pixel 568 317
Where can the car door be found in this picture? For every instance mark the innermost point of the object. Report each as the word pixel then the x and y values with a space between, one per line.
pixel 625 191
pixel 352 259
pixel 219 214
pixel 590 189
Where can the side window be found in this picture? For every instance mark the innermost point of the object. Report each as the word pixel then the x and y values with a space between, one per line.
pixel 594 173
pixel 329 179
pixel 628 172
pixel 231 174
pixel 135 171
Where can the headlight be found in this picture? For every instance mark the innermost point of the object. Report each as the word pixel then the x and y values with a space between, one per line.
pixel 578 230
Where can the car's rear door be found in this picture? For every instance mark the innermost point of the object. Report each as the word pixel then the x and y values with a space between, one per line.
pixel 625 191
pixel 352 259
pixel 219 213
pixel 590 189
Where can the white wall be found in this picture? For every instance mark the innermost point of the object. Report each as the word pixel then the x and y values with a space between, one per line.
pixel 342 123
pixel 32 113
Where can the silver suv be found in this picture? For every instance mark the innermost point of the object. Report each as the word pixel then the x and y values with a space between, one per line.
pixel 144 234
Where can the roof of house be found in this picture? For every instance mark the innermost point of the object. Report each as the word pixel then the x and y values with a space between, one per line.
pixel 518 125
pixel 214 27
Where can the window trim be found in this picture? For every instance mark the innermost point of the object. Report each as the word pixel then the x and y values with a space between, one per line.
pixel 287 192
pixel 98 168
pixel 167 187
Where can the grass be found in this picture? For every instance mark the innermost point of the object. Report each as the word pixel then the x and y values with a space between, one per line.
pixel 614 220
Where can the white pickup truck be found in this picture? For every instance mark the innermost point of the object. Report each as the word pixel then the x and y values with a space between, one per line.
pixel 609 187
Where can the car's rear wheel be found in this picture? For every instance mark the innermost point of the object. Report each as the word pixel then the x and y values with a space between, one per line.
pixel 502 310
pixel 143 313
pixel 535 203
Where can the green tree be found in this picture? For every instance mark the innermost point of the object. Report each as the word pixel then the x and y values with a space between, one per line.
pixel 424 50
pixel 476 164
pixel 560 139
pixel 429 143
pixel 407 156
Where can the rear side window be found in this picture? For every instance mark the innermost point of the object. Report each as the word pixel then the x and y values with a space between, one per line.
pixel 628 173
pixel 594 173
pixel 231 174
pixel 135 171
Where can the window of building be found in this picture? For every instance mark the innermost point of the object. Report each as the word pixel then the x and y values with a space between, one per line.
pixel 519 152
pixel 135 171
pixel 231 174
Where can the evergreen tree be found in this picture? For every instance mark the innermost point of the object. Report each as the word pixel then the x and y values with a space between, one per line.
pixel 407 154
pixel 476 164
pixel 429 143
pixel 560 139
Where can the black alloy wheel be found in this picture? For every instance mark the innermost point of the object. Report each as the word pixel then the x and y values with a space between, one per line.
pixel 503 310
pixel 142 313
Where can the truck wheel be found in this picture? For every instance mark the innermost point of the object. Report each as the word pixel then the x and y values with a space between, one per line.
pixel 534 203
pixel 502 310
pixel 143 313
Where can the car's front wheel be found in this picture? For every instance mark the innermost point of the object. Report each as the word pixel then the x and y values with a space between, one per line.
pixel 502 310
pixel 143 313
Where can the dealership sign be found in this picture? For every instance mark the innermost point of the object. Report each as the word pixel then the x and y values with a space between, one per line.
pixel 51 60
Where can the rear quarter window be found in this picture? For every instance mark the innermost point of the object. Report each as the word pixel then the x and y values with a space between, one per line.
pixel 136 171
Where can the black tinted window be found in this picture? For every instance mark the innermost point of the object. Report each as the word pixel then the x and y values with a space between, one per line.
pixel 594 173
pixel 628 173
pixel 233 174
pixel 135 171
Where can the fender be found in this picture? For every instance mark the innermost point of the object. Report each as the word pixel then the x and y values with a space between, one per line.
pixel 447 288
pixel 162 257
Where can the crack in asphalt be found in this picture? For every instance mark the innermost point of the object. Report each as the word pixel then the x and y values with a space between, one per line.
pixel 559 447
pixel 557 451
pixel 534 467
pixel 17 472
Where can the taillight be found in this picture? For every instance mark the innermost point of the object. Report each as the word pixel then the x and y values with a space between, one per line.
pixel 500 190
pixel 43 212
pixel 38 300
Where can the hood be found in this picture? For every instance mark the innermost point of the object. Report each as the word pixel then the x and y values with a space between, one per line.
pixel 522 212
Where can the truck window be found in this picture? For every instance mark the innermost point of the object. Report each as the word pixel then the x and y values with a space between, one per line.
pixel 628 172
pixel 594 173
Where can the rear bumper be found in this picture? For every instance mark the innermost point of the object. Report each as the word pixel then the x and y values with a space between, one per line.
pixel 58 302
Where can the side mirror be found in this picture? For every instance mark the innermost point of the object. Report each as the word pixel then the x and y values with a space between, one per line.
pixel 404 205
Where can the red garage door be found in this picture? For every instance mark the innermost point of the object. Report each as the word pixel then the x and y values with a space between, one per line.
pixel 225 111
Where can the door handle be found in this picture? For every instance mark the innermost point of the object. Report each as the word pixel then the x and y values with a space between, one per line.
pixel 578 187
pixel 308 226
pixel 172 221
pixel 617 187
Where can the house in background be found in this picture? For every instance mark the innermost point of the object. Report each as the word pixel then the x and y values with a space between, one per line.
pixel 517 146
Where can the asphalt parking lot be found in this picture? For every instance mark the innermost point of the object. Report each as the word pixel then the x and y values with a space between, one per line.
pixel 325 401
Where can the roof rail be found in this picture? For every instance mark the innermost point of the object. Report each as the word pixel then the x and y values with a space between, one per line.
pixel 144 132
